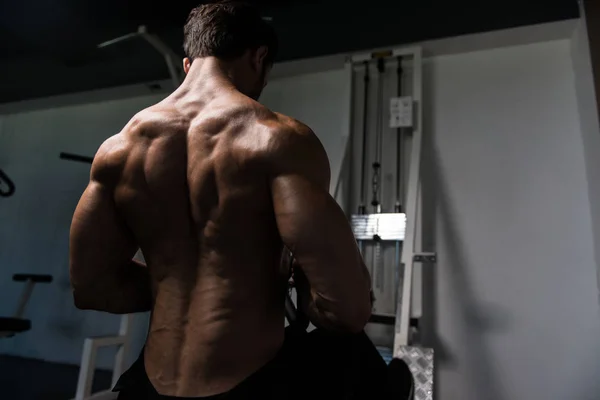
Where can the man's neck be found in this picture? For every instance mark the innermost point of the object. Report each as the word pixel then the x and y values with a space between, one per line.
pixel 207 78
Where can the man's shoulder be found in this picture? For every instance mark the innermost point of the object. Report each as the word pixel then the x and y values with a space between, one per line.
pixel 156 118
pixel 287 134
pixel 292 127
pixel 115 146
pixel 294 143
pixel 114 151
pixel 110 159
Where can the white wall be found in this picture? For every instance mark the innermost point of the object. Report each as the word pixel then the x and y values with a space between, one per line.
pixel 35 222
pixel 515 285
pixel 588 117
pixel 513 296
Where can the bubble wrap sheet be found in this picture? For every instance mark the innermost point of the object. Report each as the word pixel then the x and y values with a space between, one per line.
pixel 420 362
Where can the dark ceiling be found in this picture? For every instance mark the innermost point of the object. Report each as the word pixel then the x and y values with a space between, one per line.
pixel 49 47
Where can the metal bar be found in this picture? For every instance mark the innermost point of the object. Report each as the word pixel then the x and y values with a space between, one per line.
pixel 86 371
pixel 363 161
pixel 399 146
pixel 400 51
pixel 6 181
pixel 123 350
pixel 378 136
pixel 25 295
pixel 166 51
pixel 397 267
pixel 120 39
pixel 404 310
pixel 76 157
pixel 158 44
pixel 417 298
pixel 417 289
pixel 378 262
pixel 347 125
pixel 170 56
pixel 399 182
pixel 376 201
pixel 175 78
pixel 386 226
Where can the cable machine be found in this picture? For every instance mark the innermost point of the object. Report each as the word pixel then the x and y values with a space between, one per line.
pixel 396 224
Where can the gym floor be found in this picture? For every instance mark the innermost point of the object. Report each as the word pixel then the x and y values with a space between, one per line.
pixel 28 379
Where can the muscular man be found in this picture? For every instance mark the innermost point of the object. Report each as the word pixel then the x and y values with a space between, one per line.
pixel 211 185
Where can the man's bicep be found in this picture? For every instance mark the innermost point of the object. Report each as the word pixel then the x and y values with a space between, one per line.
pixel 308 218
pixel 312 225
pixel 99 239
pixel 315 229
pixel 298 203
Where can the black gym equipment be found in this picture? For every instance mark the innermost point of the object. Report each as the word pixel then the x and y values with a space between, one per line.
pixel 399 183
pixel 375 202
pixel 399 149
pixel 10 326
pixel 297 319
pixel 76 157
pixel 7 186
pixel 363 161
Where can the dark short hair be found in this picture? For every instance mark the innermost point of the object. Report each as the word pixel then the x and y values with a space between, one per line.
pixel 226 29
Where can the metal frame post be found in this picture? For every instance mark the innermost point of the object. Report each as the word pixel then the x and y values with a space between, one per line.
pixel 412 199
pixel 347 125
pixel 123 350
pixel 417 295
pixel 25 296
pixel 86 370
pixel 175 71
pixel 88 358
pixel 412 242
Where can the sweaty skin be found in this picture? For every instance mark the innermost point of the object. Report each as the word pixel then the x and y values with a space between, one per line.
pixel 211 185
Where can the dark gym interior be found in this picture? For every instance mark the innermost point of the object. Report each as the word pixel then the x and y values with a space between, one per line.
pixel 50 48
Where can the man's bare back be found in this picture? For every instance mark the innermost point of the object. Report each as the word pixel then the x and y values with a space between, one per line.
pixel 194 190
pixel 211 186
pixel 193 185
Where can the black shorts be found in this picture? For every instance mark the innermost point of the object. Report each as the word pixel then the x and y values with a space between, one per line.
pixel 309 365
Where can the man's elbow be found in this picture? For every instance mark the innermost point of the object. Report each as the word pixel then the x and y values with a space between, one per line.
pixel 349 320
pixel 88 297
pixel 83 300
pixel 83 305
pixel 359 318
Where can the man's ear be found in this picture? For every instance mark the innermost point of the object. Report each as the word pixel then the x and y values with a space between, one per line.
pixel 187 63
pixel 260 55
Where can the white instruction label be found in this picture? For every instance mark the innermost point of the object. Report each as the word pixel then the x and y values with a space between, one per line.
pixel 401 112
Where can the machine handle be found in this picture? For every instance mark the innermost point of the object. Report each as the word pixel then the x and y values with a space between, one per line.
pixel 5 181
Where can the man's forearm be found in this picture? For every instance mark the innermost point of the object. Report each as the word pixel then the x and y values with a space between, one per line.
pixel 321 314
pixel 127 292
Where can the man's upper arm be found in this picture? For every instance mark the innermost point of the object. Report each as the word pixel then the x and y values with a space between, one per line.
pixel 100 242
pixel 299 185
pixel 315 229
